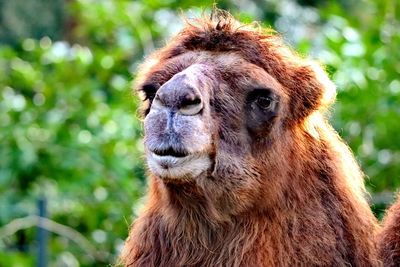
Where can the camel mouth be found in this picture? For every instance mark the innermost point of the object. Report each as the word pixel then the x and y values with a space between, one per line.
pixel 171 152
pixel 180 166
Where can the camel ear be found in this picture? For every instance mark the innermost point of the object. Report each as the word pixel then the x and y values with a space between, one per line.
pixel 311 90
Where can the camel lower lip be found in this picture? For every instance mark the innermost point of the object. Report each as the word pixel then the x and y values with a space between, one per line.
pixel 169 166
pixel 169 161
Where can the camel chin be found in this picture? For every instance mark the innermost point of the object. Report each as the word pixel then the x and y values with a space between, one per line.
pixel 171 167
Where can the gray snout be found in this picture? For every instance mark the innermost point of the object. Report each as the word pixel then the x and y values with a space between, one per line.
pixel 179 96
pixel 177 127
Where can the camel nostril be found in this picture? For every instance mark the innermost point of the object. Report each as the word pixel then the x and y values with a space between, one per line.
pixel 190 101
pixel 191 105
pixel 180 95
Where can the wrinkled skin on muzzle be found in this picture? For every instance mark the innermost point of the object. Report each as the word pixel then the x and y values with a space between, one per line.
pixel 178 137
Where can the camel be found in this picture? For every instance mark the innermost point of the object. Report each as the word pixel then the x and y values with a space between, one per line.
pixel 244 168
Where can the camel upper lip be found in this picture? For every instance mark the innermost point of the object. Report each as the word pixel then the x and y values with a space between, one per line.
pixel 170 151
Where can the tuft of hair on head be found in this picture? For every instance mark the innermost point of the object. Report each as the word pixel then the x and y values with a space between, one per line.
pixel 221 17
pixel 221 20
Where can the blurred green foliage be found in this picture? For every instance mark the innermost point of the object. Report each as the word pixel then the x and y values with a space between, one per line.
pixel 68 126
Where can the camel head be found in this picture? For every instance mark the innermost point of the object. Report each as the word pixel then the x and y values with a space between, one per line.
pixel 220 101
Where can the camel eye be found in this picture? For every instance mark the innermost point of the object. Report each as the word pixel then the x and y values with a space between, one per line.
pixel 262 99
pixel 264 102
pixel 150 91
pixel 262 106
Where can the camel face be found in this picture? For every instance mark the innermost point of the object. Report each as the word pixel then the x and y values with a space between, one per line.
pixel 207 115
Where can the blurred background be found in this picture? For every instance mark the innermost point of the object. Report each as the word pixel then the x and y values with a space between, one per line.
pixel 70 140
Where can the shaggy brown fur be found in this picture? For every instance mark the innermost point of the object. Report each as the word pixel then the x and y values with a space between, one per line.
pixel 389 237
pixel 290 194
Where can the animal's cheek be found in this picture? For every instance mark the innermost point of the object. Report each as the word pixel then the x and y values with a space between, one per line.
pixel 259 122
pixel 195 132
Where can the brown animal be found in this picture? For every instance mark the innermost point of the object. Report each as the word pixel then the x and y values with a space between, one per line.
pixel 245 169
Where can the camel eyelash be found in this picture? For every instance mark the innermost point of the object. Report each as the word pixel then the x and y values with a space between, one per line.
pixel 264 97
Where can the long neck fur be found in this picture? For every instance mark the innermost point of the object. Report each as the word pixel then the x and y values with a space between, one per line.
pixel 318 215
